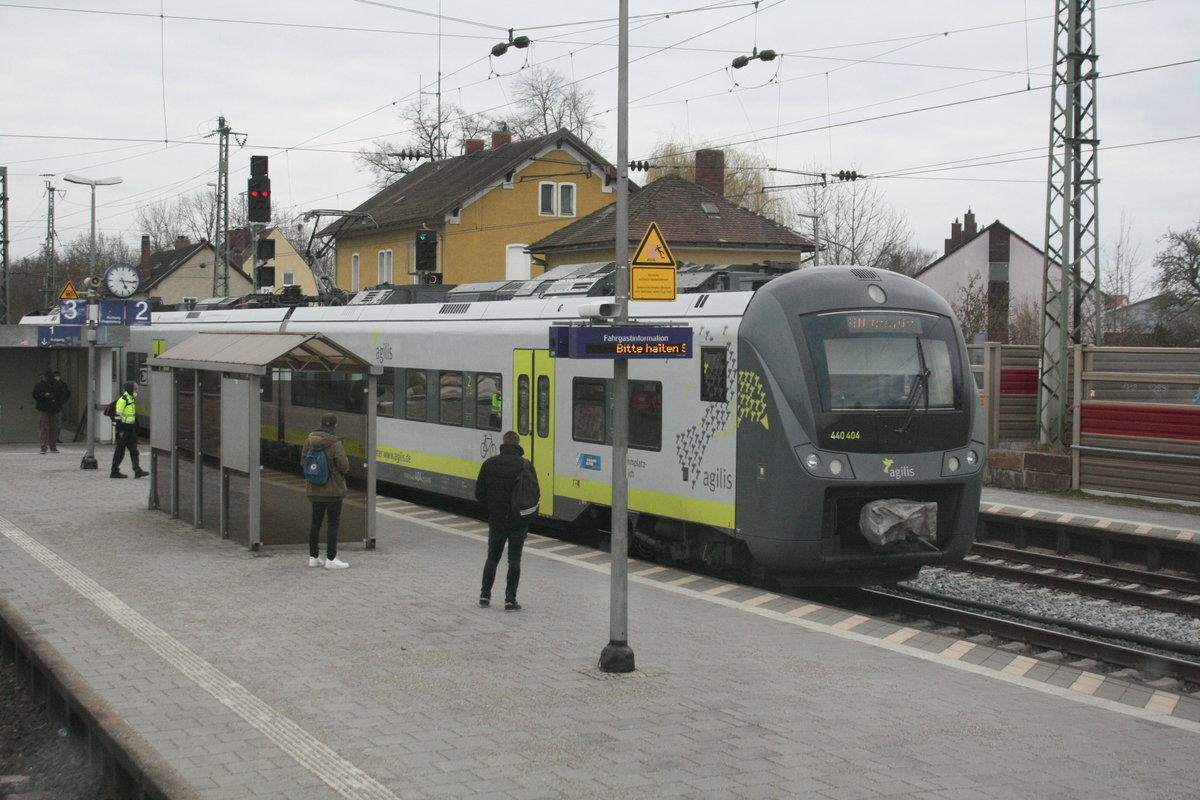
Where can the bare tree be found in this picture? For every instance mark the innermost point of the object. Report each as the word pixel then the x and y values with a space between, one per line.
pixel 858 227
pixel 1121 257
pixel 1178 280
pixel 970 305
pixel 1025 324
pixel 432 136
pixel 545 100
pixel 743 176
pixel 193 216
pixel 905 258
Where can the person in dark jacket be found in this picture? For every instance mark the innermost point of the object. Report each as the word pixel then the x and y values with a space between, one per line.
pixel 326 498
pixel 494 487
pixel 50 394
pixel 126 422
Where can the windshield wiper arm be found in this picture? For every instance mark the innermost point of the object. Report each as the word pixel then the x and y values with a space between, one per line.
pixel 920 387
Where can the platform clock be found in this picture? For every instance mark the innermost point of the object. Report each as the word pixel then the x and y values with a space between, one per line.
pixel 122 280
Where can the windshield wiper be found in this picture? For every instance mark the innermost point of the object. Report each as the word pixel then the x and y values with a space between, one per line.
pixel 920 387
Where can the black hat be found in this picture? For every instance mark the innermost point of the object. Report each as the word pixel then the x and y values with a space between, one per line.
pixel 129 386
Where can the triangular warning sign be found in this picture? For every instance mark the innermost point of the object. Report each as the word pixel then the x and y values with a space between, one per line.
pixel 653 251
pixel 68 292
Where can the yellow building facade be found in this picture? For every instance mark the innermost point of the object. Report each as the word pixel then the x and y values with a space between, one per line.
pixel 483 232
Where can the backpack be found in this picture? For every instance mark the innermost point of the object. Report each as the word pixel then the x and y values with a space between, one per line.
pixel 316 466
pixel 110 410
pixel 526 492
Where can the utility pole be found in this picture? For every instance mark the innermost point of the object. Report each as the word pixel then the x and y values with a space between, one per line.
pixel 221 260
pixel 1072 212
pixel 4 285
pixel 221 265
pixel 49 292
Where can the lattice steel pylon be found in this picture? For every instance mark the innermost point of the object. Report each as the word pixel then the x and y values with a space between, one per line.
pixel 4 266
pixel 1072 210
pixel 221 267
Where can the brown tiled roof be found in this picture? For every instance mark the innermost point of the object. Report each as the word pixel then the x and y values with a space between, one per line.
pixel 436 188
pixel 165 262
pixel 688 216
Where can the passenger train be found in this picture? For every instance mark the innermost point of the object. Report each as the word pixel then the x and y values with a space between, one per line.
pixel 826 431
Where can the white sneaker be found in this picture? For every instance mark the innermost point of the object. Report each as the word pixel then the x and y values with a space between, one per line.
pixel 335 563
pixel 316 562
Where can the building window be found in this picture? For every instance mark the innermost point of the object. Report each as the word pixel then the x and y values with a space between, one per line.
pixel 556 199
pixel 566 199
pixel 354 273
pixel 289 279
pixel 385 266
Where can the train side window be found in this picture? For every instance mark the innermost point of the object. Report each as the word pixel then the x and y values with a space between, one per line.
pixel 589 418
pixel 385 393
pixel 416 394
pixel 543 406
pixel 523 405
pixel 714 364
pixel 450 398
pixel 489 401
pixel 329 391
pixel 645 415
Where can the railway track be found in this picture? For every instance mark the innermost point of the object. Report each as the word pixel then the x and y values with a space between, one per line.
pixel 1171 593
pixel 1151 665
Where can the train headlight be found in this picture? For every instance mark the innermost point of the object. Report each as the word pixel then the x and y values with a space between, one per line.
pixel 972 458
pixel 824 464
pixel 953 464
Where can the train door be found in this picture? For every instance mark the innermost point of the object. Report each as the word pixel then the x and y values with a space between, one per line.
pixel 533 416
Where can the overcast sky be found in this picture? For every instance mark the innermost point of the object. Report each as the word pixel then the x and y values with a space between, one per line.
pixel 945 102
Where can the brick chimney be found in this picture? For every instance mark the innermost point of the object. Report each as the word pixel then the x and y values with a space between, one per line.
pixel 500 138
pixel 182 242
pixel 955 237
pixel 473 146
pixel 710 170
pixel 144 266
pixel 969 226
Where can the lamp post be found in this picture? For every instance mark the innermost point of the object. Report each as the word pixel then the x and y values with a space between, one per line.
pixel 816 218
pixel 89 457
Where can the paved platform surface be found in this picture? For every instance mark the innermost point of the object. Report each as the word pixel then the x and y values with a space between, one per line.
pixel 249 675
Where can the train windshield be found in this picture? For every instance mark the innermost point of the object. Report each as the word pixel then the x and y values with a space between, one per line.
pixel 883 360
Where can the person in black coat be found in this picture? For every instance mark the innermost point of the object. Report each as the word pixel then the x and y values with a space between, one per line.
pixel 494 487
pixel 50 394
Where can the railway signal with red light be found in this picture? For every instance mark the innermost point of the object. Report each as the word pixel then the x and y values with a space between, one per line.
pixel 258 191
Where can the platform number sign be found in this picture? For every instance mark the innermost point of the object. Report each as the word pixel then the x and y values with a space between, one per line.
pixel 72 312
pixel 137 312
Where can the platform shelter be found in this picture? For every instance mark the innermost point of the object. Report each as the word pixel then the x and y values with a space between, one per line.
pixel 231 412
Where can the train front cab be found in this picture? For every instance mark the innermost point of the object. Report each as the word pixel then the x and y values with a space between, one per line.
pixel 839 429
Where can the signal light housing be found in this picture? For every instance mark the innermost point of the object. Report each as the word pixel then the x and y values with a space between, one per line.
pixel 425 246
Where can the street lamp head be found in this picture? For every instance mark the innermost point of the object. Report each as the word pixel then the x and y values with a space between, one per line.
pixel 89 182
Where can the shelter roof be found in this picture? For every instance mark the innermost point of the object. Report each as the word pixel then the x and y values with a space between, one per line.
pixel 255 352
